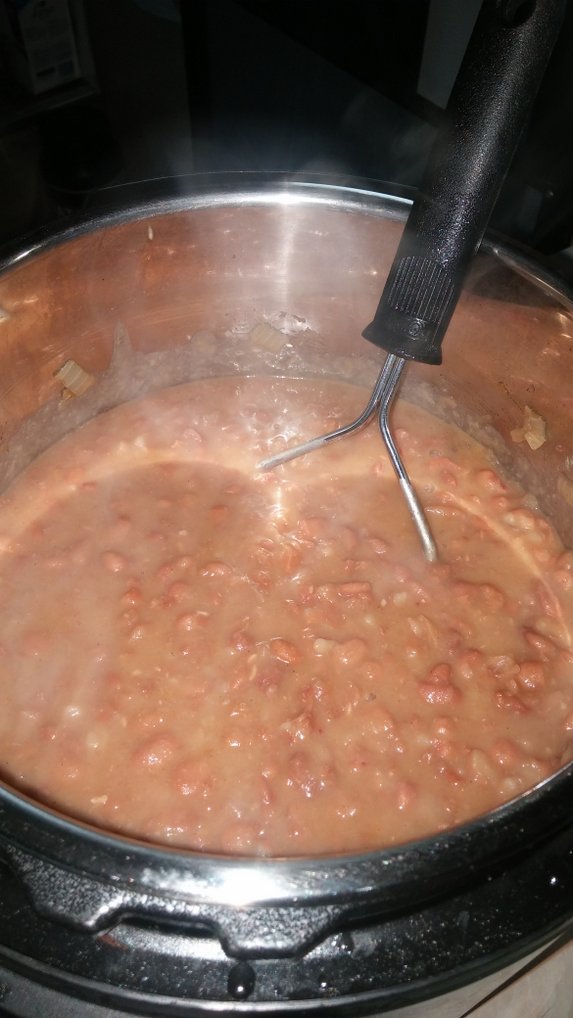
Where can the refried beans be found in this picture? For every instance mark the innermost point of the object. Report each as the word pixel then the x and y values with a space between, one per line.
pixel 197 653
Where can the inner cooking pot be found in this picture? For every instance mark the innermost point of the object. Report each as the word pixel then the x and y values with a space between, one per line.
pixel 108 918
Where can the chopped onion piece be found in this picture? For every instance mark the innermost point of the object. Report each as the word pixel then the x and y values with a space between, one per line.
pixel 533 430
pixel 75 380
pixel 265 337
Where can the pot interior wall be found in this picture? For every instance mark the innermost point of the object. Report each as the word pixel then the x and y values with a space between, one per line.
pixel 312 269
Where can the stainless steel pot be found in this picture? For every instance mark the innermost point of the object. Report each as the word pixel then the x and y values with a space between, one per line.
pixel 145 927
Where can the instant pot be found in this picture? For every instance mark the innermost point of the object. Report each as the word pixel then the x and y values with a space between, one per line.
pixel 96 924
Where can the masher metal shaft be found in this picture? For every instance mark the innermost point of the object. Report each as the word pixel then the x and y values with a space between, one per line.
pixel 316 443
pixel 381 399
pixel 396 366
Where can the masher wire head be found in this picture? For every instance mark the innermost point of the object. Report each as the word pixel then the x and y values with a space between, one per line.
pixel 381 399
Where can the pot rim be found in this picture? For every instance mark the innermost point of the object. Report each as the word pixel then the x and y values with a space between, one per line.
pixel 123 203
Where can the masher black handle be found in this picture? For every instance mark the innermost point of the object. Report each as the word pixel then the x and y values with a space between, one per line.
pixel 491 101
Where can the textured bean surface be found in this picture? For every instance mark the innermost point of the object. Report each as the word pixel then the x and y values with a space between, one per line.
pixel 198 653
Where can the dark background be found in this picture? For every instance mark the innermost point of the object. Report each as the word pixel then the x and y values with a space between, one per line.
pixel 312 86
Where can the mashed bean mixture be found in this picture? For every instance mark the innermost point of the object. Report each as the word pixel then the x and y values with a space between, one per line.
pixel 204 655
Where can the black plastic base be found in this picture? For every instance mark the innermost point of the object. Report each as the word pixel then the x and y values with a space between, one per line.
pixel 147 969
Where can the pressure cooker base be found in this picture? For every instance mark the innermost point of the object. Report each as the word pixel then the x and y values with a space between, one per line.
pixel 366 967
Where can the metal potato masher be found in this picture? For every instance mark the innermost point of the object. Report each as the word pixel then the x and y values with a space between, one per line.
pixel 491 101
